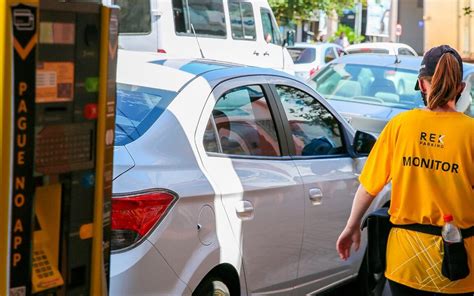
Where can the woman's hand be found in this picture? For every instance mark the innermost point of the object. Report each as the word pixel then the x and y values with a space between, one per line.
pixel 349 236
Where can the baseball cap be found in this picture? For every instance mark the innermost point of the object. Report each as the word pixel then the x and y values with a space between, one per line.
pixel 431 58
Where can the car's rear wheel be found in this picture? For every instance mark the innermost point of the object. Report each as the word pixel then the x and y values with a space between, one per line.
pixel 212 287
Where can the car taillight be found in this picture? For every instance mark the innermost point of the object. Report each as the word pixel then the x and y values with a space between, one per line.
pixel 135 214
pixel 160 50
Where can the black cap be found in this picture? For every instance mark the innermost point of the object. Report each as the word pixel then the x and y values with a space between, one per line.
pixel 431 58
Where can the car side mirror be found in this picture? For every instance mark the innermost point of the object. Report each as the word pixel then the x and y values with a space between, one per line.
pixel 363 143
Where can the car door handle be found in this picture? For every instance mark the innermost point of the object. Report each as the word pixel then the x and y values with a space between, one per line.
pixel 244 210
pixel 256 53
pixel 266 53
pixel 315 196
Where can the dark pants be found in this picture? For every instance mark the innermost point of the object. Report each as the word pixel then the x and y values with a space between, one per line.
pixel 402 290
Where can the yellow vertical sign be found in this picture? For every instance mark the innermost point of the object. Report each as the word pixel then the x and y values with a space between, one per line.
pixel 4 147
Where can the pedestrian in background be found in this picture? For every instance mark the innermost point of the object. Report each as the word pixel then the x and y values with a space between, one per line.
pixel 428 155
pixel 342 40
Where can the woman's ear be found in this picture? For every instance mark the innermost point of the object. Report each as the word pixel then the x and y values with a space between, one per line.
pixel 421 84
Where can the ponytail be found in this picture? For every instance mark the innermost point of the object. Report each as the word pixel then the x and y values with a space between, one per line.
pixel 445 81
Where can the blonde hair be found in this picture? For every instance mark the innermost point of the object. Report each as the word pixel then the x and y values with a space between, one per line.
pixel 444 82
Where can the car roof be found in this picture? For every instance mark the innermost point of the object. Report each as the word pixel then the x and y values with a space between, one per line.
pixel 313 45
pixel 146 68
pixel 381 60
pixel 378 45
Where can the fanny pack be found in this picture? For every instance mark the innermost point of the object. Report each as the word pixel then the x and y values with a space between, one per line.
pixel 454 265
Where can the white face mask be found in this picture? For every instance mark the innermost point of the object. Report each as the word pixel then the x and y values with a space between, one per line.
pixel 464 100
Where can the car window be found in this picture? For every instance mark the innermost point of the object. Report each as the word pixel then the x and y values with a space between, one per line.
pixel 315 130
pixel 210 139
pixel 242 20
pixel 269 27
pixel 137 109
pixel 405 51
pixel 135 16
pixel 206 16
pixel 368 50
pixel 329 55
pixel 244 123
pixel 368 84
pixel 302 55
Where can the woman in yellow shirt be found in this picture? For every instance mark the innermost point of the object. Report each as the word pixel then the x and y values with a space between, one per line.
pixel 428 155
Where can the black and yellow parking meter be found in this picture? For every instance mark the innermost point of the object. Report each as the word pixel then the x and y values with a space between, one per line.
pixel 57 80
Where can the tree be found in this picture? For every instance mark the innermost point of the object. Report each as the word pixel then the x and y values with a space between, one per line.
pixel 288 9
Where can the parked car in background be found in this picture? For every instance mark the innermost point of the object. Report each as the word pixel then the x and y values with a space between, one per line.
pixel 243 32
pixel 369 89
pixel 229 180
pixel 310 58
pixel 382 48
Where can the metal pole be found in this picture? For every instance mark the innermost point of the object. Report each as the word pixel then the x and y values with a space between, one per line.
pixel 358 18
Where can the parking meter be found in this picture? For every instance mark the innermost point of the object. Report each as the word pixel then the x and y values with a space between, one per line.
pixel 57 120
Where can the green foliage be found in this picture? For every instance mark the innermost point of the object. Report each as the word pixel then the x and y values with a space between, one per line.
pixel 288 9
pixel 350 34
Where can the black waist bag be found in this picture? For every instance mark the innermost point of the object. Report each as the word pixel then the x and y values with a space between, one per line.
pixel 454 265
pixel 378 227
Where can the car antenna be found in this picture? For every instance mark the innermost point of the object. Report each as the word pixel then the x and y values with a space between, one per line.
pixel 397 60
pixel 197 40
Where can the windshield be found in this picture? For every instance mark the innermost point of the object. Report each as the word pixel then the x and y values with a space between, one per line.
pixel 135 16
pixel 302 55
pixel 137 109
pixel 368 84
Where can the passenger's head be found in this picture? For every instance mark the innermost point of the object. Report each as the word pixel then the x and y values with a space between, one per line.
pixel 440 76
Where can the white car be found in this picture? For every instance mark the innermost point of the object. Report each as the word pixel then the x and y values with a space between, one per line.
pixel 310 58
pixel 229 180
pixel 235 31
pixel 382 48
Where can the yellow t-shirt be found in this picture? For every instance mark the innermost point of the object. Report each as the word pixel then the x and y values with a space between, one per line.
pixel 429 157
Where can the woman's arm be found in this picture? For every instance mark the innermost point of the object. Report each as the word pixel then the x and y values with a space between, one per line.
pixel 351 233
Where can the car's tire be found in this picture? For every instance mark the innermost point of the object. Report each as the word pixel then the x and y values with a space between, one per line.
pixel 369 284
pixel 212 287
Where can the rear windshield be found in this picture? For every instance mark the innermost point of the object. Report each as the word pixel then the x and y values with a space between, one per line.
pixel 137 109
pixel 135 16
pixel 368 50
pixel 302 55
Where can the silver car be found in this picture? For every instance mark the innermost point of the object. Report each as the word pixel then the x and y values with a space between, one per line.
pixel 229 179
pixel 370 89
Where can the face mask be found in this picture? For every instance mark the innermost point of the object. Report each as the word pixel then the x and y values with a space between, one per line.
pixel 423 96
pixel 457 98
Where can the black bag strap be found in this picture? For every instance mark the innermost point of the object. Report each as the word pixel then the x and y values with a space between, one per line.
pixel 433 230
